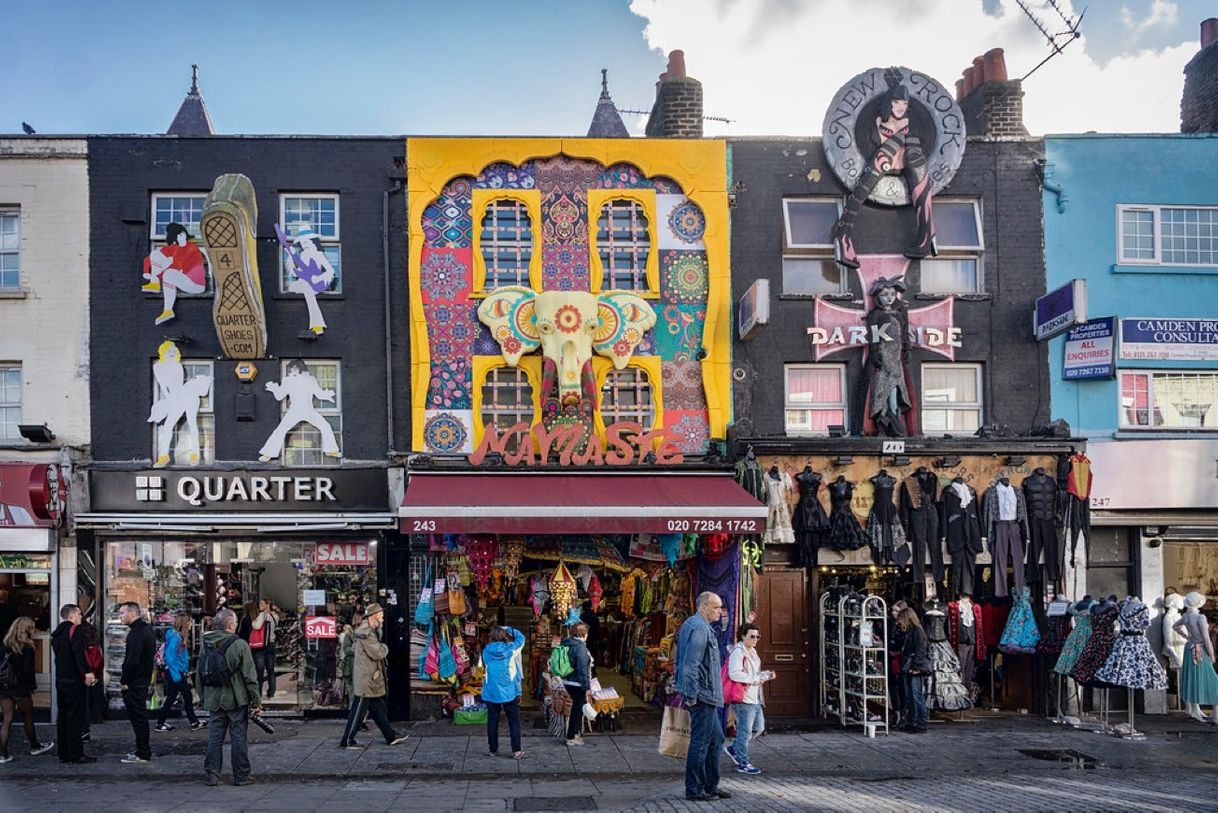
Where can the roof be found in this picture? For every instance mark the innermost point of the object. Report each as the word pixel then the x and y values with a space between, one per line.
pixel 606 121
pixel 192 118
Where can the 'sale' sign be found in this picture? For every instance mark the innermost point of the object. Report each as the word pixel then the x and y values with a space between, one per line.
pixel 342 553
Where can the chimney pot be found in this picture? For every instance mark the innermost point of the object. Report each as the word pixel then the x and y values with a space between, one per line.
pixel 970 80
pixel 676 63
pixel 979 70
pixel 1209 31
pixel 959 90
pixel 995 65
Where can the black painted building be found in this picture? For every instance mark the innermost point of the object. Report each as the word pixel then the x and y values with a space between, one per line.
pixel 286 491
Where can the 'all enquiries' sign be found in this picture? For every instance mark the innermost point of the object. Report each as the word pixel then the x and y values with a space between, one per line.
pixel 342 553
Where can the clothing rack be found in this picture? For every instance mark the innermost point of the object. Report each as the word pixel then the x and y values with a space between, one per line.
pixel 849 634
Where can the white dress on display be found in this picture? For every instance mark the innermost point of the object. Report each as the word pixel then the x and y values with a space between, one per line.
pixel 778 493
pixel 1173 642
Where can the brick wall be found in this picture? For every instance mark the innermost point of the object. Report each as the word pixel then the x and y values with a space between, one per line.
pixel 1199 102
pixel 677 112
pixel 995 110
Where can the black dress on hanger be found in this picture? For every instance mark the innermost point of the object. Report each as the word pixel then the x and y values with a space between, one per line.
pixel 810 520
pixel 844 530
pixel 887 535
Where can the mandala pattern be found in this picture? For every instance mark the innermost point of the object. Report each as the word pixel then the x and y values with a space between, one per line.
pixel 506 176
pixel 679 333
pixel 683 385
pixel 484 342
pixel 444 274
pixel 687 222
pixel 684 277
pixel 690 433
pixel 446 220
pixel 450 385
pixel 452 329
pixel 446 432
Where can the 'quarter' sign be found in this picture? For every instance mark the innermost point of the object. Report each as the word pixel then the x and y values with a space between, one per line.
pixel 342 553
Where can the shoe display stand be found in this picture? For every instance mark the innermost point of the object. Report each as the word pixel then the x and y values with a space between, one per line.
pixel 854 660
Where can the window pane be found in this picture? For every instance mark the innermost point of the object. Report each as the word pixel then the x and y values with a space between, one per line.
pixel 626 396
pixel 623 242
pixel 334 254
pixel 810 277
pixel 1137 234
pixel 949 385
pixel 956 224
pixel 950 420
pixel 1135 399
pixel 10 401
pixel 183 209
pixel 814 386
pixel 810 221
pixel 1190 236
pixel 507 242
pixel 319 214
pixel 949 276
pixel 10 247
pixel 1185 400
pixel 507 399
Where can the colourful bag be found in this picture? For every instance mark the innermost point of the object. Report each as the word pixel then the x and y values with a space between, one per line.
pixel 733 691
pixel 560 662
pixel 456 595
pixel 425 610
pixel 447 663
pixel 439 595
pixel 431 664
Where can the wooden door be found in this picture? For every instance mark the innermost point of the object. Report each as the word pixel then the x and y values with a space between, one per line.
pixel 785 624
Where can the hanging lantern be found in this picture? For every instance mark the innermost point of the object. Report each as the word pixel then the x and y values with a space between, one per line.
pixel 562 590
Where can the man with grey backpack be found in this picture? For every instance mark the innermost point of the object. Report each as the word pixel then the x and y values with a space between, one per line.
pixel 228 685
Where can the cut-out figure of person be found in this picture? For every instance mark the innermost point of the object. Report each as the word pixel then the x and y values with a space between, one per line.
pixel 175 266
pixel 300 388
pixel 176 398
pixel 311 272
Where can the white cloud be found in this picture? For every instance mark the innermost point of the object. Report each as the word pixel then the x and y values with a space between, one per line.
pixel 773 65
pixel 1162 13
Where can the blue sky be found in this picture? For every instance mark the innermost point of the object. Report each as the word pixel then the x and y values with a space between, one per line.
pixel 516 67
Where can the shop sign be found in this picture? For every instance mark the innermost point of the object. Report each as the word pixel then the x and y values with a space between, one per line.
pixel 624 443
pixel 1169 339
pixel 24 561
pixel 1060 309
pixel 342 553
pixel 258 491
pixel 754 309
pixel 1089 350
pixel 31 495
pixel 321 626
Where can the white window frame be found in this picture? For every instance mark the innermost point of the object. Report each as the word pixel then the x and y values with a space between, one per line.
pixel 810 251
pixel 206 421
pixel 13 405
pixel 643 415
pixel 489 242
pixel 1156 210
pixel 327 411
pixel 156 239
pixel 977 406
pixel 948 252
pixel 323 242
pixel 788 405
pixel 15 213
pixel 1150 373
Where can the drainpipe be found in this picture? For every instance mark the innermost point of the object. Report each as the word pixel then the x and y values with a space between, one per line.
pixel 1043 171
pixel 397 187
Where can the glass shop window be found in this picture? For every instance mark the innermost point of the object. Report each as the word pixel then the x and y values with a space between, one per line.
pixel 624 243
pixel 186 209
pixel 507 399
pixel 320 213
pixel 959 241
pixel 815 398
pixel 626 396
pixel 808 267
pixel 507 243
pixel 1169 400
pixel 951 398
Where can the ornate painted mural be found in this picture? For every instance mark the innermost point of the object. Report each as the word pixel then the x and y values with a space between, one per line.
pixel 674 327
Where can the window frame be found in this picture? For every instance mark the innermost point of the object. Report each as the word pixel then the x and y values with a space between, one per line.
pixel 976 253
pixel 1150 373
pixel 15 213
pixel 325 409
pixel 598 199
pixel 323 242
pixel 1156 210
pixel 977 406
pixel 809 251
pixel 787 405
pixel 482 367
pixel 19 404
pixel 157 239
pixel 481 199
pixel 651 366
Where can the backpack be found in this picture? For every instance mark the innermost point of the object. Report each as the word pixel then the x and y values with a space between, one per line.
pixel 560 661
pixel 213 666
pixel 93 658
pixel 8 672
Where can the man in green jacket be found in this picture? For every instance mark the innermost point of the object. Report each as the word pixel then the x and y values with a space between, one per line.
pixel 231 703
pixel 370 681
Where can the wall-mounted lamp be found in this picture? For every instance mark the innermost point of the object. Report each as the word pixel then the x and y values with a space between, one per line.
pixel 843 460
pixel 179 339
pixel 1015 460
pixel 836 430
pixel 948 461
pixel 307 336
pixel 900 460
pixel 36 433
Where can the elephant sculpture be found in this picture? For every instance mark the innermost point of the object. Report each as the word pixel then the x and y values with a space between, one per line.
pixel 568 326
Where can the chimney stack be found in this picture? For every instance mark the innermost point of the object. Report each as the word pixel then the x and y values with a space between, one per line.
pixel 1199 102
pixel 677 112
pixel 991 102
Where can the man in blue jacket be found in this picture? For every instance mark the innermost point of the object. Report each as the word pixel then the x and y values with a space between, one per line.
pixel 501 687
pixel 697 669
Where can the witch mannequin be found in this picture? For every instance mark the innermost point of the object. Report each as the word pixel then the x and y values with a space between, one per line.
pixel 176 398
pixel 300 388
pixel 175 266
pixel 311 272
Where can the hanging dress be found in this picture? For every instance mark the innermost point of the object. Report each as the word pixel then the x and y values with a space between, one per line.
pixel 1021 634
pixel 810 521
pixel 1132 663
pixel 778 529
pixel 1077 639
pixel 887 534
pixel 946 691
pixel 844 531
pixel 1099 645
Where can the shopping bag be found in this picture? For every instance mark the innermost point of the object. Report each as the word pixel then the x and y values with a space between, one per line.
pixel 439 596
pixel 674 732
pixel 456 595
pixel 425 610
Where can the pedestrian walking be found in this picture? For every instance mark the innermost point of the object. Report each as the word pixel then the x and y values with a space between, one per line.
pixel 136 679
pixel 579 682
pixel 72 677
pixel 227 683
pixel 744 666
pixel 370 679
pixel 501 686
pixel 18 682
pixel 177 673
pixel 915 667
pixel 346 657
pixel 698 682
pixel 262 642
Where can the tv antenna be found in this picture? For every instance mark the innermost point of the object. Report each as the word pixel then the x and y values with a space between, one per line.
pixel 1058 41
pixel 723 119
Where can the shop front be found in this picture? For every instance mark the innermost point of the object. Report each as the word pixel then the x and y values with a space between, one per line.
pixel 306 542
pixel 31 510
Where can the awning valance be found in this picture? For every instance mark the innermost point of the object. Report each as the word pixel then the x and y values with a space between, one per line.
pixel 579 504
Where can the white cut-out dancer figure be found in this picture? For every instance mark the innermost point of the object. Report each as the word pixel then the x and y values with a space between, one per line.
pixel 177 265
pixel 311 272
pixel 300 388
pixel 176 398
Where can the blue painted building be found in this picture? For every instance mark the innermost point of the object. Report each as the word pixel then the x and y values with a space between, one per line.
pixel 1136 216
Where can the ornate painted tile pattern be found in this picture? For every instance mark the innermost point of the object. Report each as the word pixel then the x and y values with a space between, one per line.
pixel 446 221
pixel 683 385
pixel 448 431
pixel 445 274
pixel 507 176
pixel 684 277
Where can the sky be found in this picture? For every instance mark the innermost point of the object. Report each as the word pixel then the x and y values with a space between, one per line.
pixel 532 67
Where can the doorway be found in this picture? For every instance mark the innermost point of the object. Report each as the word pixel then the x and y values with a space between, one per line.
pixel 785 622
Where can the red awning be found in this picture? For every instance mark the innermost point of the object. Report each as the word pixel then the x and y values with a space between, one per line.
pixel 579 504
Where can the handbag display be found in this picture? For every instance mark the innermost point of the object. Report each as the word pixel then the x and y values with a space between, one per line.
pixel 456 595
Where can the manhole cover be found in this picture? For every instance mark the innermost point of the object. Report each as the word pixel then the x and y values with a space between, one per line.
pixel 554 803
pixel 1076 759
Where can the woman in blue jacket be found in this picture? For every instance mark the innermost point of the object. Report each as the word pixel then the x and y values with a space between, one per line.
pixel 501 687
pixel 177 673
